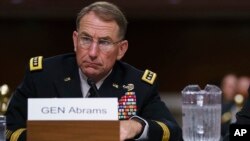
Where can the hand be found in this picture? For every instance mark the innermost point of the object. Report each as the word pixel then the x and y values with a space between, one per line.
pixel 129 129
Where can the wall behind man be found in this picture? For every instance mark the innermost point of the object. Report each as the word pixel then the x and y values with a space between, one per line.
pixel 183 43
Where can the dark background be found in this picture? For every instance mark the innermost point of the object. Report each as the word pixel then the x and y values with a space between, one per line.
pixel 185 42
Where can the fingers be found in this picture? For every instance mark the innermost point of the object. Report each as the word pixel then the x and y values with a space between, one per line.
pixel 129 129
pixel 123 130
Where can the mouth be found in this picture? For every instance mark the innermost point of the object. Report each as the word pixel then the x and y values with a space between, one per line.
pixel 92 64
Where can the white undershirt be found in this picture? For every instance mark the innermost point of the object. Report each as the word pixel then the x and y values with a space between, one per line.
pixel 84 84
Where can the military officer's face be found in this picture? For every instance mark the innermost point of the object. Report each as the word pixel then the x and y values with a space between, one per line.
pixel 97 46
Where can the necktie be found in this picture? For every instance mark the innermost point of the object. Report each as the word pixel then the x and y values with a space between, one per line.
pixel 91 92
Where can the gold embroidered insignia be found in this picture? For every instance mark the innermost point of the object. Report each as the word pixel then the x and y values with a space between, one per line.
pixel 149 76
pixel 36 63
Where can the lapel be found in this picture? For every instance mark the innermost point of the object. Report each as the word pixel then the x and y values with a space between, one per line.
pixel 112 85
pixel 68 85
pixel 116 85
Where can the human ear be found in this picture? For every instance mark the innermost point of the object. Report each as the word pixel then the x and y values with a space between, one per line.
pixel 123 47
pixel 74 36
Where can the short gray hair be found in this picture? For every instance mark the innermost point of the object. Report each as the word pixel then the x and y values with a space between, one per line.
pixel 107 12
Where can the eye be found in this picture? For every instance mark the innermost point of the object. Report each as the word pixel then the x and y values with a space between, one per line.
pixel 85 39
pixel 104 42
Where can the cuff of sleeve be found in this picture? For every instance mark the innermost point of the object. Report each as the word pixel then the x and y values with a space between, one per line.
pixel 144 134
pixel 166 132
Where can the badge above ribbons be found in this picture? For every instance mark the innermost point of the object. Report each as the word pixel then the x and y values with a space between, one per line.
pixel 127 106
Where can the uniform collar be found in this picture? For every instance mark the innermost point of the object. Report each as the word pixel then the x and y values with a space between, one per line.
pixel 84 85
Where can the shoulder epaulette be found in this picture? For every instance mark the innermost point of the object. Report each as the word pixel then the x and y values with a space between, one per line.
pixel 36 63
pixel 149 76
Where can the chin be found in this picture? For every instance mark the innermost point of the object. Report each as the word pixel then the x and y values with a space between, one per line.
pixel 91 73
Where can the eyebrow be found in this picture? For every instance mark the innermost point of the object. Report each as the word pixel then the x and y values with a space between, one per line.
pixel 100 38
pixel 84 34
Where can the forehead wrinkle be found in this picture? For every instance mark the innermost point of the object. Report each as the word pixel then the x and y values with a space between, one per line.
pixel 97 26
pixel 88 35
pixel 93 29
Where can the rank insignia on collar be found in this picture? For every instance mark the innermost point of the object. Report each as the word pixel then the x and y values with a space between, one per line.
pixel 36 63
pixel 115 85
pixel 149 76
pixel 129 87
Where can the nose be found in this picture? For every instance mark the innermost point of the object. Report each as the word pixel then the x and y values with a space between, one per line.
pixel 93 50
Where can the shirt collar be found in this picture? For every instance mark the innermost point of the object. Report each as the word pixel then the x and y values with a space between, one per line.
pixel 84 85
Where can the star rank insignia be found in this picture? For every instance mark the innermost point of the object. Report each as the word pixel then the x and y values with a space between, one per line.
pixel 36 63
pixel 149 76
pixel 127 106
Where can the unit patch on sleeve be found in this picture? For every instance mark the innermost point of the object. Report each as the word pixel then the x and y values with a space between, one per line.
pixel 149 76
pixel 36 63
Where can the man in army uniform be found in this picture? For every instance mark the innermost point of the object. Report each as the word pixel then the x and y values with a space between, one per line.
pixel 99 45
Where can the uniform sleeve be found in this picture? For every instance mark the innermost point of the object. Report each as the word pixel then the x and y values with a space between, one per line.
pixel 162 125
pixel 16 114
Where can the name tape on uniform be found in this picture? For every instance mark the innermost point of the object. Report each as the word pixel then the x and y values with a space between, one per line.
pixel 72 109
